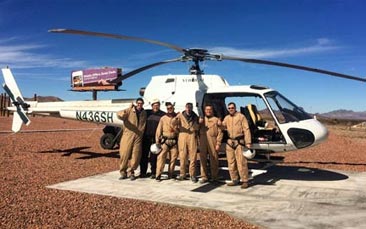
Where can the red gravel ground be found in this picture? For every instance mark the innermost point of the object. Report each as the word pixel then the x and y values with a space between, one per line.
pixel 30 161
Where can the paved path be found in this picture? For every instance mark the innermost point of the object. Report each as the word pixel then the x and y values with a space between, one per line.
pixel 284 197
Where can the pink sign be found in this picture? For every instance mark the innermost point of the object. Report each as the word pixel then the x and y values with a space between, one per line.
pixel 94 77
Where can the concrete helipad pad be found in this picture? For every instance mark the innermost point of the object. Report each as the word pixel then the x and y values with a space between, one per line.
pixel 284 197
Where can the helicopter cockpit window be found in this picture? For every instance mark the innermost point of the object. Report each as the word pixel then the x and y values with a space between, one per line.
pixel 284 110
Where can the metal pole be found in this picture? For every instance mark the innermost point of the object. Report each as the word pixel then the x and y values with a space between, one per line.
pixel 1 104
pixel 94 95
pixel 35 99
pixel 7 111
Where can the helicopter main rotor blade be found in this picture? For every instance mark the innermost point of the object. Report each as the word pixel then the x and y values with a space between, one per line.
pixel 138 70
pixel 117 36
pixel 256 61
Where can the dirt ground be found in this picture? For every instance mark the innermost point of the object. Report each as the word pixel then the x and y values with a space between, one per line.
pixel 29 161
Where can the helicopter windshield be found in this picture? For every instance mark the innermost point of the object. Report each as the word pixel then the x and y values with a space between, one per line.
pixel 284 110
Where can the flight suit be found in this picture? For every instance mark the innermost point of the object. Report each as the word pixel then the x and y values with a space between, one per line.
pixel 210 137
pixel 130 147
pixel 187 141
pixel 239 135
pixel 152 122
pixel 167 136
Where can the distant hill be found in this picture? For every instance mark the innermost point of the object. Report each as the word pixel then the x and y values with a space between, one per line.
pixel 45 99
pixel 345 115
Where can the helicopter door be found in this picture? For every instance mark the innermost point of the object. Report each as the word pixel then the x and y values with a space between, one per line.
pixel 265 133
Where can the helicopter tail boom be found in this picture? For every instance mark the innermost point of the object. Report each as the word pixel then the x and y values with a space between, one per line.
pixel 20 107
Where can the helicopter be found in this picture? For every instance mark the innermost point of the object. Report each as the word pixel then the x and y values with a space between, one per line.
pixel 276 123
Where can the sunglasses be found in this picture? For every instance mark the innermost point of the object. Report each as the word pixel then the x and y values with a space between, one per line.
pixel 231 108
pixel 169 108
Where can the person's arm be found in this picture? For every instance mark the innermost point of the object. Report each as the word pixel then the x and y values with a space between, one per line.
pixel 123 114
pixel 196 125
pixel 176 120
pixel 222 125
pixel 247 134
pixel 219 137
pixel 159 131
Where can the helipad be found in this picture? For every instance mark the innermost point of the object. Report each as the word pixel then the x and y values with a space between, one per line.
pixel 284 197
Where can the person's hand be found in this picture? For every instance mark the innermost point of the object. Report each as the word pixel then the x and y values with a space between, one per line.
pixel 201 120
pixel 176 117
pixel 217 147
pixel 248 146
pixel 219 123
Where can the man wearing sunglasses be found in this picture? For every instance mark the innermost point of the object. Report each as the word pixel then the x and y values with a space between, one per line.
pixel 210 141
pixel 167 137
pixel 239 136
pixel 134 121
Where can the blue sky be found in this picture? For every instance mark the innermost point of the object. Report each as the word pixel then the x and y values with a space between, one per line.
pixel 322 34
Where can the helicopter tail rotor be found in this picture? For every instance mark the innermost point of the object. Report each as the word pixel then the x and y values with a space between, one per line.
pixel 21 107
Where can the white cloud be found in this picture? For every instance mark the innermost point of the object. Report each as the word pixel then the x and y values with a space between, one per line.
pixel 322 45
pixel 324 41
pixel 24 56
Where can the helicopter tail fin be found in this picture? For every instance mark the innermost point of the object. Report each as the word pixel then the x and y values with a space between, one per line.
pixel 21 107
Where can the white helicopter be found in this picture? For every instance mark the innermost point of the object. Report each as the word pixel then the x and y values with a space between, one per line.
pixel 276 123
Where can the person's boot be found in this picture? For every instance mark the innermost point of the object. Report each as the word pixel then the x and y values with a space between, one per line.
pixel 233 183
pixel 244 185
pixel 203 180
pixel 123 176
pixel 158 178
pixel 180 178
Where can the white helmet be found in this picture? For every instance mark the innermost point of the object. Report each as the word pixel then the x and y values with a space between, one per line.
pixel 249 153
pixel 155 148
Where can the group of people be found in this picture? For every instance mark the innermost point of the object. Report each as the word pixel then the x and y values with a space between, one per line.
pixel 181 135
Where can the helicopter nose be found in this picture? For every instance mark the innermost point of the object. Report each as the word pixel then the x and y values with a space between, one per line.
pixel 307 133
pixel 320 132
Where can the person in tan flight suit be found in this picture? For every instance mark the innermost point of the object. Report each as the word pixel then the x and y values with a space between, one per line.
pixel 187 122
pixel 134 121
pixel 239 136
pixel 210 142
pixel 167 137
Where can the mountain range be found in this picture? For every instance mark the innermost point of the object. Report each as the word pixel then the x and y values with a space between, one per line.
pixel 344 114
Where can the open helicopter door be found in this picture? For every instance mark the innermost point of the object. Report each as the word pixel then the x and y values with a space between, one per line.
pixel 266 135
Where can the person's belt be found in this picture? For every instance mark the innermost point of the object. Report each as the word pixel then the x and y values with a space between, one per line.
pixel 235 142
pixel 169 141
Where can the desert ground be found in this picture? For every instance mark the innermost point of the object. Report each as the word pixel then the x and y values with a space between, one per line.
pixel 35 158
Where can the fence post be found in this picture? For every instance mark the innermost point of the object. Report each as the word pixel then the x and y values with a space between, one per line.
pixel 34 99
pixel 7 111
pixel 1 104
